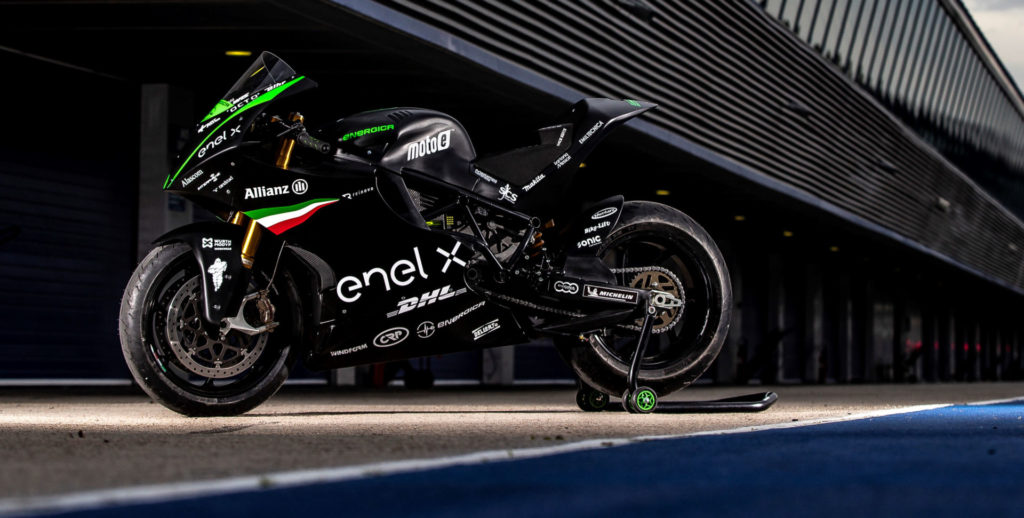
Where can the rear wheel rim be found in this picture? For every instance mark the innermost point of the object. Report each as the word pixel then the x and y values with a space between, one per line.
pixel 688 336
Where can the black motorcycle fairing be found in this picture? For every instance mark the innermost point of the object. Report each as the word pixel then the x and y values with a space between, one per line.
pixel 314 279
pixel 536 191
pixel 225 127
pixel 404 275
pixel 246 183
pixel 217 248
pixel 399 138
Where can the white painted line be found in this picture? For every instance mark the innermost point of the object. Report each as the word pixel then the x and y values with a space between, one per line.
pixel 997 401
pixel 163 492
pixel 798 424
pixel 66 382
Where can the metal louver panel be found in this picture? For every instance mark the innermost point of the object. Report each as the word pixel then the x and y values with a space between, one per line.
pixel 732 80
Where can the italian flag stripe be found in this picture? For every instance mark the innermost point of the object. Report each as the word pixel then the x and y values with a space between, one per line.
pixel 279 219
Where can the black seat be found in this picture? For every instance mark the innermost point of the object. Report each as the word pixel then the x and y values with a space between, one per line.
pixel 521 165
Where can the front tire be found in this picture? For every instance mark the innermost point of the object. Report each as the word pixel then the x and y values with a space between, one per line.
pixel 183 364
pixel 683 345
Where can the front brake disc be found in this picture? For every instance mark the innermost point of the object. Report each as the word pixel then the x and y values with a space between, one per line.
pixel 197 351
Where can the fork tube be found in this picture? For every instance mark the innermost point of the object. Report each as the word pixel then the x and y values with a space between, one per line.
pixel 252 241
pixel 284 154
pixel 252 237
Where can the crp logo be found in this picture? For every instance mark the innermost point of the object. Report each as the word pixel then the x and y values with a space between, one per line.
pixel 299 186
pixel 604 213
pixel 389 337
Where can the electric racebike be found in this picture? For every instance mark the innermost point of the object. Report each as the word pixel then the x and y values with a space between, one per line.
pixel 382 236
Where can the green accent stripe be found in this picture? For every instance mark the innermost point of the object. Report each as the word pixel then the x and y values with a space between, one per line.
pixel 221 107
pixel 272 211
pixel 267 97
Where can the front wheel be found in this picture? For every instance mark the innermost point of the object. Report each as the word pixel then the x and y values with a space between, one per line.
pixel 654 246
pixel 185 364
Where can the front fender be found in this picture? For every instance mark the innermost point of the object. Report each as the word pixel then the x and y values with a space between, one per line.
pixel 217 247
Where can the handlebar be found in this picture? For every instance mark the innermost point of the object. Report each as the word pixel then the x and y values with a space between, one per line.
pixel 308 141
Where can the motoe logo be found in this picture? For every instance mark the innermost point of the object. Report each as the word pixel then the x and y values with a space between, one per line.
pixel 389 337
pixel 429 145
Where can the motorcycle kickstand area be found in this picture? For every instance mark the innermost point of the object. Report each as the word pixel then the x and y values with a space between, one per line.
pixel 644 400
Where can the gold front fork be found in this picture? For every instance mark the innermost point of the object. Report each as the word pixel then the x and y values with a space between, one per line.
pixel 252 237
pixel 253 232
pixel 284 154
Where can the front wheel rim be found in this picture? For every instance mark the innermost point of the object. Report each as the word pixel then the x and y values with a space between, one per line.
pixel 170 290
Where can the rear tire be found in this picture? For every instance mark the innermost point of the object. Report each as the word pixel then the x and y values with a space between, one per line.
pixel 649 232
pixel 162 294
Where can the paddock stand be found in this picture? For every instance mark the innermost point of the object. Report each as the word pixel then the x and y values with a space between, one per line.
pixel 643 400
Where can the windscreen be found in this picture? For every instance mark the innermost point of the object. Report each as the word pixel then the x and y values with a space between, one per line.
pixel 225 126
pixel 266 71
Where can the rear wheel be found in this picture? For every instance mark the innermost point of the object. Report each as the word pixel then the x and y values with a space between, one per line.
pixel 183 362
pixel 654 246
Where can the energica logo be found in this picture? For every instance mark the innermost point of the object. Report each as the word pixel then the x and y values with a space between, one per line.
pixel 425 329
pixel 390 337
pixel 368 131
pixel 299 186
pixel 591 132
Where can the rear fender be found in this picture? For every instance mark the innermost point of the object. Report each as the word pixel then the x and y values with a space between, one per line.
pixel 592 227
pixel 217 248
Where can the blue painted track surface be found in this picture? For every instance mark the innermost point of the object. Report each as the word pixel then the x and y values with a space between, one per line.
pixel 955 461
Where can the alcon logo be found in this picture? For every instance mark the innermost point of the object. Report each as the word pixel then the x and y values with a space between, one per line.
pixel 429 145
pixel 192 178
